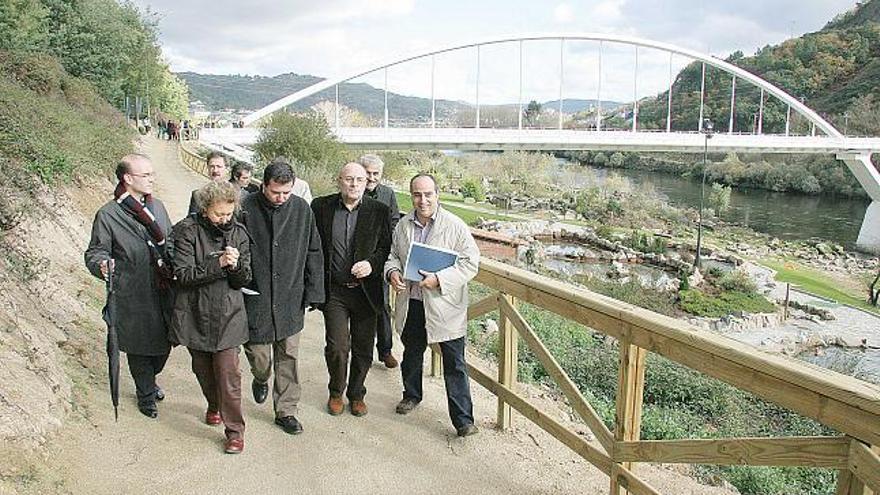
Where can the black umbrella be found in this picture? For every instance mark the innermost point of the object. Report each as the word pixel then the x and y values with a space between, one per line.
pixel 112 340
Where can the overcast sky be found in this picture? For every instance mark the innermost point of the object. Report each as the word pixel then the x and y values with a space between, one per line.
pixel 335 37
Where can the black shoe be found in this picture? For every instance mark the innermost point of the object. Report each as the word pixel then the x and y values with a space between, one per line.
pixel 406 406
pixel 290 425
pixel 467 430
pixel 260 390
pixel 149 410
pixel 160 394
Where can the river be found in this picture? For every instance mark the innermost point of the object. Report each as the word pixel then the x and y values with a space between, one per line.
pixel 788 216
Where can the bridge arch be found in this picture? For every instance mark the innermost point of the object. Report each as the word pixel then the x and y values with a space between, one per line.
pixel 795 104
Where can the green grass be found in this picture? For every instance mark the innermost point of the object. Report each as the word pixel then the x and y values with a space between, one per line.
pixel 469 216
pixel 817 283
pixel 699 303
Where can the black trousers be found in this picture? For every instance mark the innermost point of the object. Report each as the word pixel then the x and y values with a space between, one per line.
pixel 455 377
pixel 144 370
pixel 383 326
pixel 350 326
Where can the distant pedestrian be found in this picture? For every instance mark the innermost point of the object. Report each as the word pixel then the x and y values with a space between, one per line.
pixel 131 230
pixel 211 264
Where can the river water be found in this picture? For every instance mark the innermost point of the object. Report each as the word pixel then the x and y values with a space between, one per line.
pixel 788 216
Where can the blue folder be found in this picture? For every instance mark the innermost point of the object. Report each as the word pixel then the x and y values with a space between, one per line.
pixel 428 258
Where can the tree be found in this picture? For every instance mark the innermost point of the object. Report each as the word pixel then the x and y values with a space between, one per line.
pixel 719 198
pixel 172 96
pixel 22 25
pixel 532 112
pixel 303 138
pixel 617 160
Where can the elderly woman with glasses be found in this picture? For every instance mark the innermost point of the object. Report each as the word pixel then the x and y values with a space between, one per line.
pixel 211 265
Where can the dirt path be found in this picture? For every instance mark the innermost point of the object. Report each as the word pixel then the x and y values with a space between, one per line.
pixel 381 452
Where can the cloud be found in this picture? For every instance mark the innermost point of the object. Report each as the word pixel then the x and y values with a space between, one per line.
pixel 563 14
pixel 335 37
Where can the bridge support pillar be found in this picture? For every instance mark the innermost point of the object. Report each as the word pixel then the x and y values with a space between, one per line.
pixel 869 235
pixel 861 166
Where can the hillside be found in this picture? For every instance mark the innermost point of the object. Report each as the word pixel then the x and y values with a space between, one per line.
pixel 831 70
pixel 251 92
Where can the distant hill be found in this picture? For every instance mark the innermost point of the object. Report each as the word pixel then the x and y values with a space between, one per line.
pixel 252 92
pixel 830 70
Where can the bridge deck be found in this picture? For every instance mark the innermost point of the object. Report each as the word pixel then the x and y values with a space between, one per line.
pixel 554 139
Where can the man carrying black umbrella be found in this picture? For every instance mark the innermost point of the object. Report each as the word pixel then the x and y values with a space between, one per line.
pixel 130 230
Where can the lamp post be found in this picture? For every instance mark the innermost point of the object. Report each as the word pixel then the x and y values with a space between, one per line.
pixel 707 135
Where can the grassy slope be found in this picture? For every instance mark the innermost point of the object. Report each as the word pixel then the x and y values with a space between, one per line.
pixel 54 126
pixel 470 216
pixel 817 283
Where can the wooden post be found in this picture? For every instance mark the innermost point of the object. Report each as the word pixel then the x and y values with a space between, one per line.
pixel 847 484
pixel 630 390
pixel 787 299
pixel 507 363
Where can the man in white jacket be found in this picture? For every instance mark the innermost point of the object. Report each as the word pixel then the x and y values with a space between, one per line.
pixel 434 310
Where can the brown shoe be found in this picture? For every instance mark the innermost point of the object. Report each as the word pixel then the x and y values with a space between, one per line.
pixel 358 408
pixel 213 418
pixel 389 361
pixel 234 445
pixel 335 406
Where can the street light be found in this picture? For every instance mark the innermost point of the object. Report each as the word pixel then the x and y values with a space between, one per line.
pixel 707 135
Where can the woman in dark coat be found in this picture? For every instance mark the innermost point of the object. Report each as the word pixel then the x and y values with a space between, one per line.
pixel 212 262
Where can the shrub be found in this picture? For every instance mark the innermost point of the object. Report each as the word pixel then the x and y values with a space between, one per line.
pixel 698 303
pixel 472 188
pixel 736 281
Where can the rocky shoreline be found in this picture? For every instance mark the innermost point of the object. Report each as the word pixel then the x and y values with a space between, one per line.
pixel 808 315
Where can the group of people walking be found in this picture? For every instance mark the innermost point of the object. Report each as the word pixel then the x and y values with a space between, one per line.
pixel 243 267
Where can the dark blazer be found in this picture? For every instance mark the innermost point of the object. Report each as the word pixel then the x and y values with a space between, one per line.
pixel 386 196
pixel 208 313
pixel 372 241
pixel 142 307
pixel 287 265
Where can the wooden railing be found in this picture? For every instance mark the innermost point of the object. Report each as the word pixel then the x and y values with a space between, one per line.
pixel 192 159
pixel 840 402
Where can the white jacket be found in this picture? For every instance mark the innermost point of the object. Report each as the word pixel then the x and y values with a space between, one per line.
pixel 445 307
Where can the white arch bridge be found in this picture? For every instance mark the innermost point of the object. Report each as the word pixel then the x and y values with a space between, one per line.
pixel 822 138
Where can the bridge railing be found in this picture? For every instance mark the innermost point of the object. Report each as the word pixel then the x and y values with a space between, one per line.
pixel 842 403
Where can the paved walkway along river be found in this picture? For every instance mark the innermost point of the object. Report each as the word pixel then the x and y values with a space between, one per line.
pixel 381 452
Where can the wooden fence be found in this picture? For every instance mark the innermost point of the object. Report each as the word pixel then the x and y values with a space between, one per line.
pixel 843 403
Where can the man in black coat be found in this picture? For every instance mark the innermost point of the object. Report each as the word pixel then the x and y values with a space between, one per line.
pixel 287 267
pixel 356 239
pixel 130 230
pixel 384 194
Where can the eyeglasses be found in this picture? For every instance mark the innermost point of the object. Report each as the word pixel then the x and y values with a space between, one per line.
pixel 143 176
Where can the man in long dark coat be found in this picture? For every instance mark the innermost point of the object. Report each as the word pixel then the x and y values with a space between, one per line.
pixel 131 229
pixel 356 238
pixel 287 267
